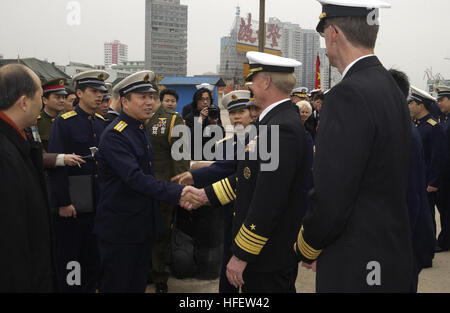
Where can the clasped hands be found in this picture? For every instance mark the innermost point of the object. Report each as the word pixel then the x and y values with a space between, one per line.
pixel 191 197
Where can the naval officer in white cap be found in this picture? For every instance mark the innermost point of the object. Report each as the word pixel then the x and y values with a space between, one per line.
pixel 269 201
pixel 357 225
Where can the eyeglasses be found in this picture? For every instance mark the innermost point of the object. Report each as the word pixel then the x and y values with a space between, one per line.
pixel 205 99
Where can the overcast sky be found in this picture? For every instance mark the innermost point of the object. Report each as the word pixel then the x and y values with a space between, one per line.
pixel 414 34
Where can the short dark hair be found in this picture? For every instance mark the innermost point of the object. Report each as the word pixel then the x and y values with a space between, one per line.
pixel 402 81
pixel 357 30
pixel 171 92
pixel 81 87
pixel 319 96
pixel 15 82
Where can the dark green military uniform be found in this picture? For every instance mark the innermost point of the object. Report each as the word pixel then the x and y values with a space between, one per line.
pixel 160 128
pixel 45 121
pixel 44 125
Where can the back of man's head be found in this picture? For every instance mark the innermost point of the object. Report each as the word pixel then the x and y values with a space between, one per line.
pixel 15 81
pixel 402 81
pixel 358 31
pixel 284 82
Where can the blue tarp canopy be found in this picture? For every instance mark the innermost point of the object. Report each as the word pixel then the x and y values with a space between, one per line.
pixel 186 87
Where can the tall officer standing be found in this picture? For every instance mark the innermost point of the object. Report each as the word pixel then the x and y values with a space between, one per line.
pixel 444 194
pixel 357 226
pixel 433 141
pixel 128 216
pixel 74 191
pixel 268 199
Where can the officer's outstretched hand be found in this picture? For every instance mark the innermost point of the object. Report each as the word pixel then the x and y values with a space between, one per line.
pixel 184 179
pixel 193 198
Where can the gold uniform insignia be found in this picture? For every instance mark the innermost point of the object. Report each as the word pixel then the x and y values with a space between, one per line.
pixel 101 77
pixel 247 173
pixel 146 78
pixel 432 122
pixel 39 117
pixel 121 126
pixel 234 97
pixel 99 116
pixel 69 115
pixel 323 15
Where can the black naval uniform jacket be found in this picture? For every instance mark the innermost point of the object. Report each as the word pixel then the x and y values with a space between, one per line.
pixel 434 147
pixel 27 263
pixel 268 203
pixel 74 132
pixel 358 217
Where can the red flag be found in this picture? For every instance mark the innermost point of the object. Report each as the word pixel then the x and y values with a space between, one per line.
pixel 317 85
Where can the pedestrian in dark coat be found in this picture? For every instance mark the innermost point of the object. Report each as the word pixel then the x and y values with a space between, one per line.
pixel 25 232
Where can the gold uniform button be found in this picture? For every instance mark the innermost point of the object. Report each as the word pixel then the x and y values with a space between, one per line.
pixel 141 127
pixel 95 135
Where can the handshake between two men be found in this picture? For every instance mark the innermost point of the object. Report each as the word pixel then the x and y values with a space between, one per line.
pixel 191 197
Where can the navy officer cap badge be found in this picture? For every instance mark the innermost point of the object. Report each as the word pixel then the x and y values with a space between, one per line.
pixel 347 8
pixel 94 79
pixel 139 82
pixel 235 100
pixel 264 62
pixel 301 92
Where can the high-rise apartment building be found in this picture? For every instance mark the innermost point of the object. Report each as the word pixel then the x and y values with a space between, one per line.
pixel 296 43
pixel 326 71
pixel 166 37
pixel 115 53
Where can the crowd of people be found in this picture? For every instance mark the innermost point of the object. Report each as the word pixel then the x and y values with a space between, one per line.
pixel 92 190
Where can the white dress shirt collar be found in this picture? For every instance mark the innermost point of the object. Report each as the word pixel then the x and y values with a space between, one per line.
pixel 353 63
pixel 270 107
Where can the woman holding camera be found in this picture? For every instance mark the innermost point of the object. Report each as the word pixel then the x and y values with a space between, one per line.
pixel 203 114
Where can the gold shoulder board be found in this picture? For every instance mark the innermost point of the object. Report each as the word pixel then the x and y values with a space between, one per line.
pixel 121 126
pixel 69 115
pixel 432 122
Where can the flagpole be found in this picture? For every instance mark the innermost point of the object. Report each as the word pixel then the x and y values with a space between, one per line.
pixel 262 25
